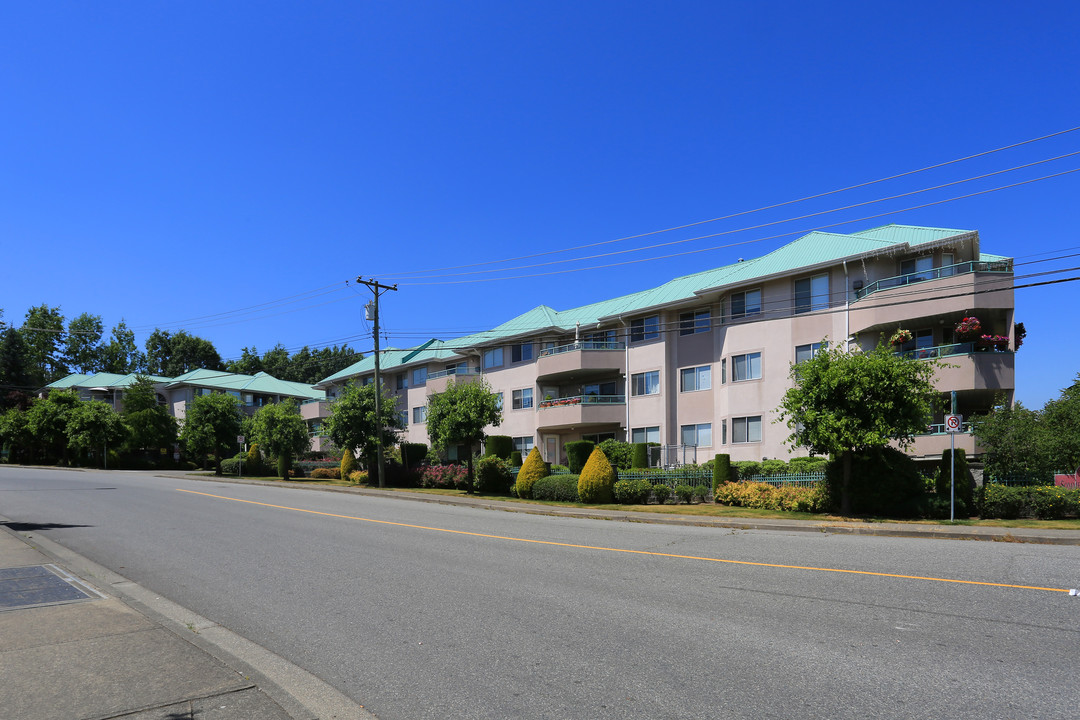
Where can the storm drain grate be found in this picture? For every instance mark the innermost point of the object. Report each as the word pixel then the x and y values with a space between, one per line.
pixel 37 585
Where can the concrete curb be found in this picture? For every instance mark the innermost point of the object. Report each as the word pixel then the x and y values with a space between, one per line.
pixel 837 527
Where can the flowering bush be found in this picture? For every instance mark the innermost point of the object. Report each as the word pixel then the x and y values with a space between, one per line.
pixel 444 476
pixel 969 328
pixel 900 337
pixel 999 342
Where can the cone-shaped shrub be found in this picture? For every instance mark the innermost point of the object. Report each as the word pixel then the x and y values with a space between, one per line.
pixel 348 464
pixel 532 470
pixel 253 454
pixel 597 479
pixel 721 470
pixel 640 457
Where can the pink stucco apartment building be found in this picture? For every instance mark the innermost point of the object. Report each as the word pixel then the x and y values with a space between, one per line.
pixel 700 363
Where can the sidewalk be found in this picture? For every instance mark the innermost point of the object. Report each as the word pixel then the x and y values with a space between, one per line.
pixel 839 527
pixel 79 642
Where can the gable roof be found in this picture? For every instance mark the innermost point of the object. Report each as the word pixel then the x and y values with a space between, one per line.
pixel 111 381
pixel 260 382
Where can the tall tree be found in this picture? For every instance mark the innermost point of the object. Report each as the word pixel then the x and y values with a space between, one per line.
pixel 121 355
pixel 47 421
pixel 150 426
pixel 211 426
pixel 43 331
pixel 248 364
pixel 280 431
pixel 92 426
pixel 459 414
pixel 844 402
pixel 276 362
pixel 15 374
pixel 173 354
pixel 352 426
pixel 15 434
pixel 84 352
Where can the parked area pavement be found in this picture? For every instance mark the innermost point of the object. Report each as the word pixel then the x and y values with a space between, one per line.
pixel 80 642
pixel 839 527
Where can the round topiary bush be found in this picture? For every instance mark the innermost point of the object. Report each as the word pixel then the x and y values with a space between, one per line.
pixel 531 470
pixel 597 479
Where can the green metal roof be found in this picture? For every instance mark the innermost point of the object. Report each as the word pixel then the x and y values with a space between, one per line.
pixel 392 358
pixel 258 383
pixel 106 380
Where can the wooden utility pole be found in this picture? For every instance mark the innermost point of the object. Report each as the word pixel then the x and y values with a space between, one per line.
pixel 378 290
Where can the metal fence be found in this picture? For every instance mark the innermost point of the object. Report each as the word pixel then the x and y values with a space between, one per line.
pixel 672 456
pixel 809 479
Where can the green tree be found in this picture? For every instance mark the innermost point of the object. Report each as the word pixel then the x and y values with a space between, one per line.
pixel 351 425
pixel 1062 420
pixel 121 355
pixel 43 331
pixel 211 426
pixel 15 434
pixel 459 414
pixel 844 403
pixel 173 354
pixel 92 426
pixel 84 352
pixel 281 431
pixel 47 422
pixel 149 424
pixel 249 363
pixel 15 375
pixel 276 362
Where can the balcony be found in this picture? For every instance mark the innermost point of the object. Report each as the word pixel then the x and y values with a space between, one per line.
pixel 1000 266
pixel 969 367
pixel 581 359
pixel 437 381
pixel 578 410
pixel 315 409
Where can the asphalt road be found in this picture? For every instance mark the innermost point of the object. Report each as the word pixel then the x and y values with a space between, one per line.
pixel 418 610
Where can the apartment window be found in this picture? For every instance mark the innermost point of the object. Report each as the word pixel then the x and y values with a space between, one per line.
pixel 745 303
pixel 645 434
pixel 598 438
pixel 521 353
pixel 419 376
pixel 609 388
pixel 493 358
pixel 369 380
pixel 522 399
pixel 403 418
pixel 696 378
pixel 746 429
pixel 456 368
pixel 947 262
pixel 647 328
pixel 917 269
pixel 694 322
pixel 499 400
pixel 523 444
pixel 746 367
pixel 646 383
pixel 812 293
pixel 805 352
pixel 699 435
pixel 402 381
pixel 419 414
pixel 601 340
pixel 723 432
pixel 723 370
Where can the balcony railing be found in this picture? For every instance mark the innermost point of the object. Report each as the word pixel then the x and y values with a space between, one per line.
pixel 939 351
pixel 964 268
pixel 453 371
pixel 583 400
pixel 582 345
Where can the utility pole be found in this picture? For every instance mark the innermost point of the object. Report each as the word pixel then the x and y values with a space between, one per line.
pixel 378 290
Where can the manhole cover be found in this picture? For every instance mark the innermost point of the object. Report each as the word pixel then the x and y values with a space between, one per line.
pixel 37 585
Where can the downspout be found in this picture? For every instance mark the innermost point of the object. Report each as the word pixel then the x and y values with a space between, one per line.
pixel 626 375
pixel 847 307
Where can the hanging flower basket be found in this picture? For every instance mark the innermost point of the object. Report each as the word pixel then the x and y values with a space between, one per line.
pixel 901 336
pixel 999 343
pixel 969 329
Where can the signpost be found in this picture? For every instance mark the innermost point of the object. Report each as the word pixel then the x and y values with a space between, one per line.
pixel 953 423
pixel 240 467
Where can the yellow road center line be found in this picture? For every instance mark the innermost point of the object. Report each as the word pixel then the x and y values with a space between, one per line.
pixel 631 552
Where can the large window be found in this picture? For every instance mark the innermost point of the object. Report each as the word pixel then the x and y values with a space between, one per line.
pixel 499 400
pixel 523 444
pixel 647 328
pixel 693 322
pixel 493 358
pixel 419 376
pixel 419 414
pixel 646 383
pixel 746 429
pixel 598 438
pixel 521 353
pixel 696 378
pixel 805 352
pixel 812 293
pixel 402 381
pixel 746 367
pixel 522 399
pixel 603 388
pixel 918 269
pixel 645 434
pixel 699 435
pixel 745 304
pixel 600 340
pixel 403 418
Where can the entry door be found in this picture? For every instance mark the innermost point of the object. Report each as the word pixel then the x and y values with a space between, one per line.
pixel 552 453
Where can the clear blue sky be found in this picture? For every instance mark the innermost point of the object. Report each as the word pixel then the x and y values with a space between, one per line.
pixel 161 162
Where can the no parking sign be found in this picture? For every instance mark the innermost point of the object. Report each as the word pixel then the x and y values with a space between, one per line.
pixel 953 423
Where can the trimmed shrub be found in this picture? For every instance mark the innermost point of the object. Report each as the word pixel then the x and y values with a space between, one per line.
pixel 348 464
pixel 684 493
pixel 413 455
pixel 563 488
pixel 883 482
pixel 444 476
pixel 531 470
pixel 230 466
pixel 254 457
pixel 326 473
pixel 284 467
pixel 360 477
pixel 702 492
pixel 632 492
pixel 800 465
pixel 1045 502
pixel 640 456
pixel 745 468
pixel 773 467
pixel 597 479
pixel 493 475
pixel 515 459
pixel 618 453
pixel 721 470
pixel 661 492
pixel 578 453
pixel 768 497
pixel 499 445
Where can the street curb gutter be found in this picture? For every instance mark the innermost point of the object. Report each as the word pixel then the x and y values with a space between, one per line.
pixel 301 694
pixel 909 530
